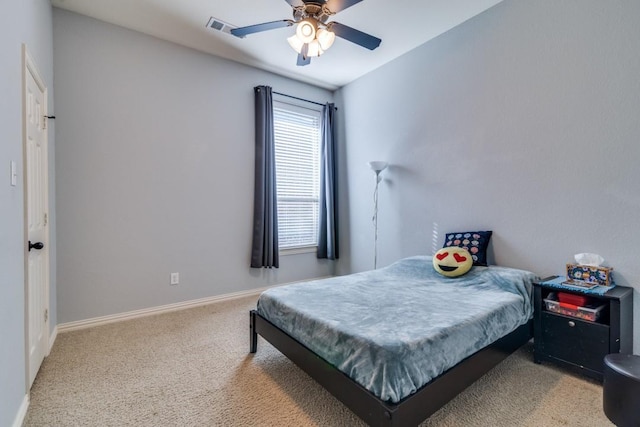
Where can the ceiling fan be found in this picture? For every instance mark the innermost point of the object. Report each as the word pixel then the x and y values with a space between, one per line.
pixel 314 34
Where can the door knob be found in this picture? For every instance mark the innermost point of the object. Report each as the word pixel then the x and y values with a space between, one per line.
pixel 36 245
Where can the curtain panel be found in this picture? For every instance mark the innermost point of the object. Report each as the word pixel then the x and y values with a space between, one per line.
pixel 328 223
pixel 264 251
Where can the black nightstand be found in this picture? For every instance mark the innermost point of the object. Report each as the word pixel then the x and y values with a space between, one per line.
pixel 577 344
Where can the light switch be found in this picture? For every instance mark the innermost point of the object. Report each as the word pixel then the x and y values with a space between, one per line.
pixel 14 174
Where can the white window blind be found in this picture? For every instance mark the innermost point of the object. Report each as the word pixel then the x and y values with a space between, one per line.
pixel 297 152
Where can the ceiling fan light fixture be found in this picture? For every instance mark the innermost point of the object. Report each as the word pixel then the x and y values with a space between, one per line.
pixel 325 38
pixel 308 33
pixel 313 33
pixel 306 30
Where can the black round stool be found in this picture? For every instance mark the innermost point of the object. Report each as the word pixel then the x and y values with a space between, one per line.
pixel 621 389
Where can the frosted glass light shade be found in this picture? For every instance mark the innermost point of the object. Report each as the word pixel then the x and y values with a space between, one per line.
pixel 295 43
pixel 306 31
pixel 378 166
pixel 325 38
pixel 314 49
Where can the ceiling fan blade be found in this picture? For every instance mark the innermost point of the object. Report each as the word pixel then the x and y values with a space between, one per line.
pixel 243 31
pixel 295 3
pixel 336 6
pixel 354 36
pixel 302 61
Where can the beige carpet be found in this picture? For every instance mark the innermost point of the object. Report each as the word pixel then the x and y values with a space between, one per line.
pixel 192 368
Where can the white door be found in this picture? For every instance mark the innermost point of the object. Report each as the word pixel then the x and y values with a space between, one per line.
pixel 36 216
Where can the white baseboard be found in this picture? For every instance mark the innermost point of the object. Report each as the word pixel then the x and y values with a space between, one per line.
pixel 52 338
pixel 103 320
pixel 22 412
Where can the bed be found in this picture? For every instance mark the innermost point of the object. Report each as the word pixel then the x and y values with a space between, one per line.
pixel 397 343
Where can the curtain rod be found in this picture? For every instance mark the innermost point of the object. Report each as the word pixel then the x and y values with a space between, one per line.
pixel 299 99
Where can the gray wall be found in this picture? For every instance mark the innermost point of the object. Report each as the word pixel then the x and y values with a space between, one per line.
pixel 155 172
pixel 28 22
pixel 523 120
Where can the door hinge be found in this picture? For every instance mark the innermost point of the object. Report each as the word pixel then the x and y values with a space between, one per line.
pixel 46 218
pixel 46 314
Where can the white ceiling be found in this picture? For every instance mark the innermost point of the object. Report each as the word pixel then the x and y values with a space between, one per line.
pixel 402 25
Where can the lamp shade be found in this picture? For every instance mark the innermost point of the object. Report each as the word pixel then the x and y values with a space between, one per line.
pixel 378 166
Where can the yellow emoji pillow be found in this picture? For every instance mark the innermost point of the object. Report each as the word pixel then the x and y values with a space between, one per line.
pixel 452 261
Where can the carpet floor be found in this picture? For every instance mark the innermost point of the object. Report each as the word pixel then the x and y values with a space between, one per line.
pixel 192 368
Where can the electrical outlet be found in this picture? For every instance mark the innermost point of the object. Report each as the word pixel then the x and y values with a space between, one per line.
pixel 175 278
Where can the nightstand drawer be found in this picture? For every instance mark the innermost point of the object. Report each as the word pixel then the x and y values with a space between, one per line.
pixel 580 342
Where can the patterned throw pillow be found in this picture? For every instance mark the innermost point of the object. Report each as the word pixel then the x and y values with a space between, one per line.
pixel 476 242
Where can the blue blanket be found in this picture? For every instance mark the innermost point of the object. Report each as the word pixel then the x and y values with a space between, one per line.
pixel 394 329
pixel 559 283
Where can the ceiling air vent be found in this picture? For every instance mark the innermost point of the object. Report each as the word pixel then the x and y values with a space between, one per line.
pixel 220 25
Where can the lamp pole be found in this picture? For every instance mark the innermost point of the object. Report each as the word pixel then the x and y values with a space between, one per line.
pixel 377 167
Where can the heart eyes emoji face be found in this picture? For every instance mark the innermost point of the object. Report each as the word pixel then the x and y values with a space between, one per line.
pixel 452 261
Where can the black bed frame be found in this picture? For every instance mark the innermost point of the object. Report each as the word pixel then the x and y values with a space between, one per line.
pixel 413 409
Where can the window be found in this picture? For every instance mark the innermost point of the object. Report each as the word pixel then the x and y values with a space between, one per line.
pixel 297 153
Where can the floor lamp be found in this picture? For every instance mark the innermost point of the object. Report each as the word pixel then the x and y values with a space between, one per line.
pixel 377 167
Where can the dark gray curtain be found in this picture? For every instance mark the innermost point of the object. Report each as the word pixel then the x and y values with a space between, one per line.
pixel 264 251
pixel 328 236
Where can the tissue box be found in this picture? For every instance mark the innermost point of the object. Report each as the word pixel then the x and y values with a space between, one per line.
pixel 590 274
